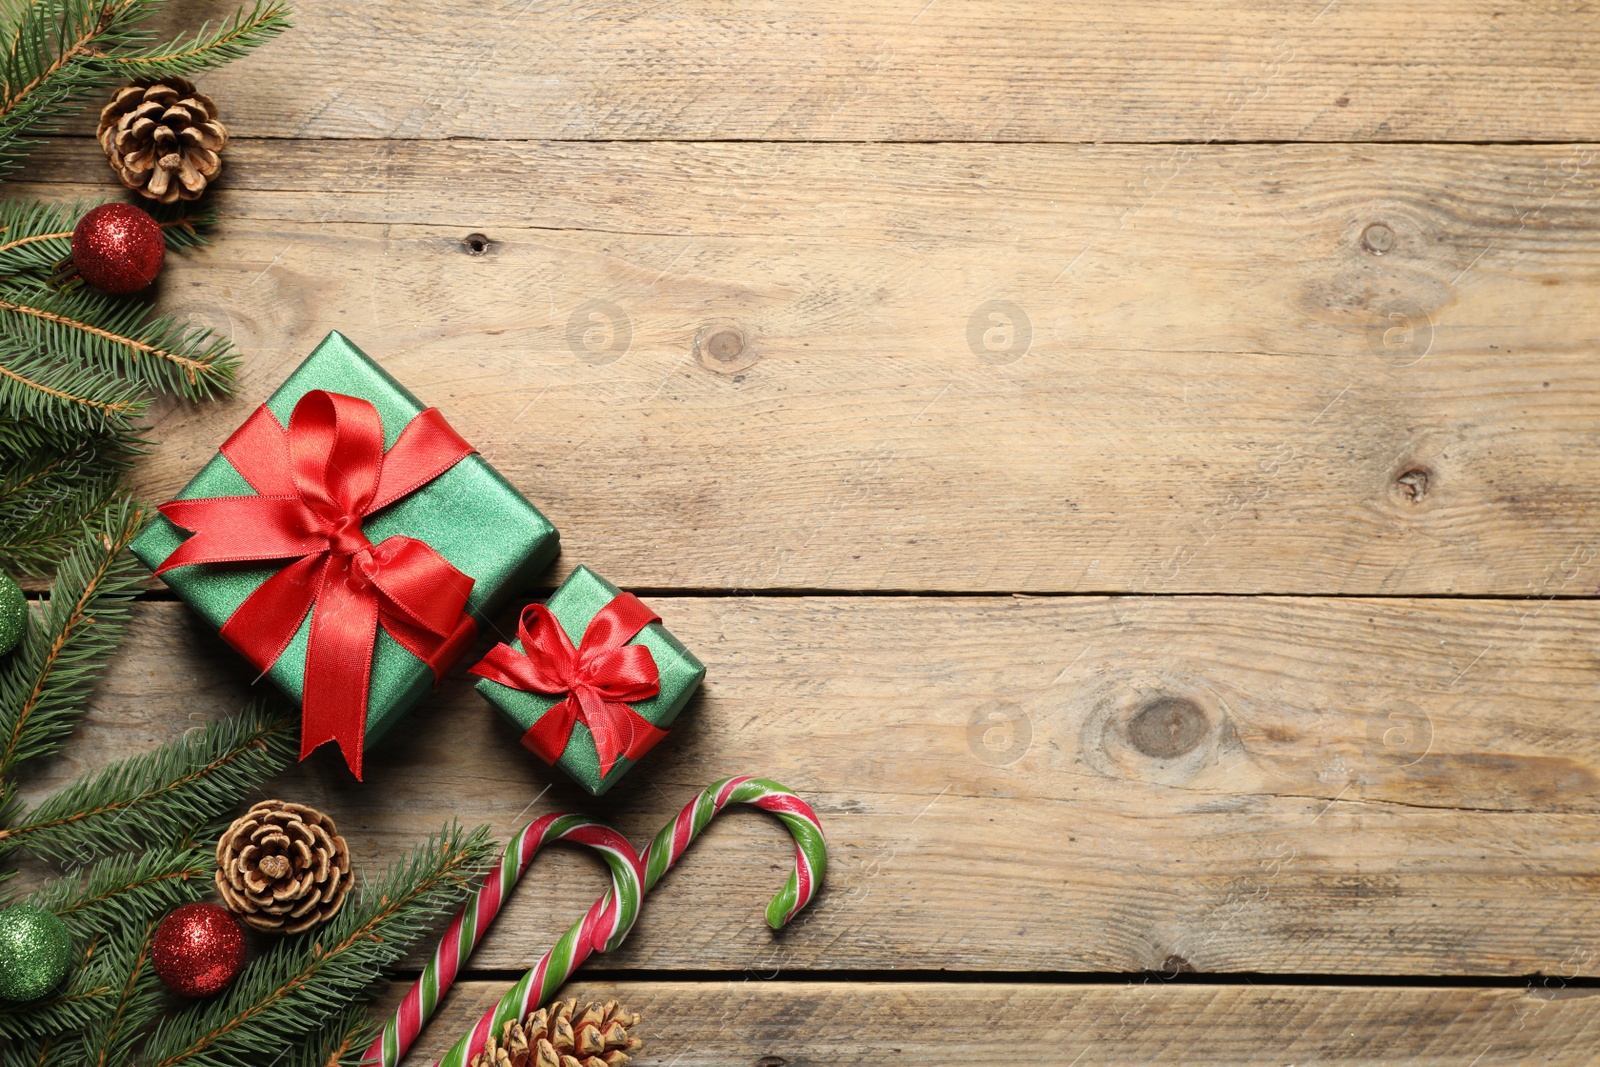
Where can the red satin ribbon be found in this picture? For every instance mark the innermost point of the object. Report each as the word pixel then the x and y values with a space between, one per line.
pixel 317 481
pixel 600 678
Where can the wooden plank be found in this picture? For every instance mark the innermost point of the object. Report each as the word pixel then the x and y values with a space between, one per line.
pixel 773 1024
pixel 923 70
pixel 1012 784
pixel 1207 397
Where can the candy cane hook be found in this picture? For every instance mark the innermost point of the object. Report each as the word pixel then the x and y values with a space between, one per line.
pixel 470 924
pixel 810 848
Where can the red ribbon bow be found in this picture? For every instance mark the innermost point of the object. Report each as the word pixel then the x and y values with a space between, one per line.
pixel 317 481
pixel 600 678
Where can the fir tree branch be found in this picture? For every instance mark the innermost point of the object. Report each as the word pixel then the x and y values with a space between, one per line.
pixel 94 976
pixel 303 982
pixel 37 235
pixel 161 795
pixel 21 437
pixel 63 397
pixel 191 367
pixel 343 1042
pixel 110 1042
pixel 233 39
pixel 20 241
pixel 17 17
pixel 62 50
pixel 51 65
pixel 185 224
pixel 92 22
pixel 28 1052
pixel 51 484
pixel 47 495
pixel 44 683
pixel 119 336
pixel 121 892
pixel 24 438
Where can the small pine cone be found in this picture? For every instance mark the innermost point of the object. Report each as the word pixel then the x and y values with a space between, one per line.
pixel 283 868
pixel 163 139
pixel 562 1036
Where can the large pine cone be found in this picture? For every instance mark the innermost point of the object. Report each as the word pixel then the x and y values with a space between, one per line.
pixel 555 1037
pixel 283 868
pixel 163 138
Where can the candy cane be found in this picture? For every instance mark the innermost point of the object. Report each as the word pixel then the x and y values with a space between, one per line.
pixel 550 973
pixel 469 926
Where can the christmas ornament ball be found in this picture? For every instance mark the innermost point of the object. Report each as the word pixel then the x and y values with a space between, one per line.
pixel 118 248
pixel 199 949
pixel 35 949
pixel 13 614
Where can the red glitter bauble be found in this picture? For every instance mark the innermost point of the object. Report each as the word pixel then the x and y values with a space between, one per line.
pixel 118 248
pixel 199 949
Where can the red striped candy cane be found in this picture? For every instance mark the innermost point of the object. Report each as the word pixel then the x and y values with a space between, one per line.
pixel 473 921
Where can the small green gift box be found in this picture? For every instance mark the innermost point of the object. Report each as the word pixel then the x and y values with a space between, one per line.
pixel 349 543
pixel 593 679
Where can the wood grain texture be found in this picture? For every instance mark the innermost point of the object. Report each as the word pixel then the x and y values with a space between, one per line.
pixel 839 1024
pixel 1012 784
pixel 1308 369
pixel 983 297
pixel 924 70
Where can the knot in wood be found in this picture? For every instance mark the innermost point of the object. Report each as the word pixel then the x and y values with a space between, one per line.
pixel 1168 727
pixel 1377 238
pixel 724 348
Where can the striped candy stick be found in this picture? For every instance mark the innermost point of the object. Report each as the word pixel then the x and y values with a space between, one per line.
pixel 473 921
pixel 811 862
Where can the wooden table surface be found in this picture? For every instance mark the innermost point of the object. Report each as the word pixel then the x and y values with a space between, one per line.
pixel 1133 467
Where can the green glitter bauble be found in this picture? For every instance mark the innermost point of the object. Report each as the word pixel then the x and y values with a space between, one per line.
pixel 13 614
pixel 35 949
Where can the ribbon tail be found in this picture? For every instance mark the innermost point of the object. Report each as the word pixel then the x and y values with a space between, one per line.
pixel 618 731
pixel 439 652
pixel 262 627
pixel 338 675
pixel 548 737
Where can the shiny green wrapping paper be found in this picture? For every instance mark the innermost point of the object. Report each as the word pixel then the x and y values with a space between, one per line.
pixel 470 515
pixel 578 600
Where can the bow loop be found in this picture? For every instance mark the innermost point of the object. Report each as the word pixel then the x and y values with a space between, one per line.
pixel 549 663
pixel 320 479
pixel 419 584
pixel 336 452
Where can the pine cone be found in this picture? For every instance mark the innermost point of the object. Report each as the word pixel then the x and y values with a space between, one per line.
pixel 163 138
pixel 283 868
pixel 555 1037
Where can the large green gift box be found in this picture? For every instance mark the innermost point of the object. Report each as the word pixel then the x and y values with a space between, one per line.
pixel 468 514
pixel 539 696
